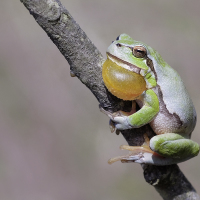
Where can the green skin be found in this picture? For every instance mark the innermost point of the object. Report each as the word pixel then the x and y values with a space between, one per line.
pixel 165 105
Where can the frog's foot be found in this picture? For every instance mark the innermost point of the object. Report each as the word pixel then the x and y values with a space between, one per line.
pixel 164 149
pixel 119 119
pixel 137 154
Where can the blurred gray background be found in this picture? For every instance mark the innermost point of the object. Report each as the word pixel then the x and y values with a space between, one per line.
pixel 54 142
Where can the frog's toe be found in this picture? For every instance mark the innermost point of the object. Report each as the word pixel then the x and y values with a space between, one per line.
pixel 135 158
pixel 112 126
pixel 139 158
pixel 109 114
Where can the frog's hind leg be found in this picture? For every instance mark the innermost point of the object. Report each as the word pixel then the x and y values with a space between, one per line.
pixel 141 155
pixel 134 152
pixel 174 147
pixel 165 149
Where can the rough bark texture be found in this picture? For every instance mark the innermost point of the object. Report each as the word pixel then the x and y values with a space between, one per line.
pixel 85 62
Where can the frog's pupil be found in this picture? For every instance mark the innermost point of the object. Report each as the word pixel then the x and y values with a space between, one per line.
pixel 142 53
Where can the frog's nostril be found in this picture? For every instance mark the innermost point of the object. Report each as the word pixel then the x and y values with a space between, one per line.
pixel 117 38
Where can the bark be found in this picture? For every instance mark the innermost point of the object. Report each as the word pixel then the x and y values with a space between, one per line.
pixel 85 62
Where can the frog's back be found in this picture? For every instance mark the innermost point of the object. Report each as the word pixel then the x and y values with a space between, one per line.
pixel 177 112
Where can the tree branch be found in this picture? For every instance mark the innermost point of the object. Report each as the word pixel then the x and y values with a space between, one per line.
pixel 85 62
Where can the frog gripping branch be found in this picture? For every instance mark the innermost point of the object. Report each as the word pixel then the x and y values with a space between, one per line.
pixel 86 62
pixel 134 71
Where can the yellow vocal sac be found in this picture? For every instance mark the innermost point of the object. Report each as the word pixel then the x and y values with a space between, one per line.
pixel 121 82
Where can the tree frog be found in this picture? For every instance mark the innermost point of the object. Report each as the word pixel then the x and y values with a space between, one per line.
pixel 136 72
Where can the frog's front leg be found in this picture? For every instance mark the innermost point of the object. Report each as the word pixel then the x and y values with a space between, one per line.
pixel 137 119
pixel 165 149
pixel 122 114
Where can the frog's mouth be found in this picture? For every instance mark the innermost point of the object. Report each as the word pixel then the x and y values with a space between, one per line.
pixel 123 63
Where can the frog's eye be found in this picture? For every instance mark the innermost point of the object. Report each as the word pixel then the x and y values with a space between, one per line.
pixel 139 52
